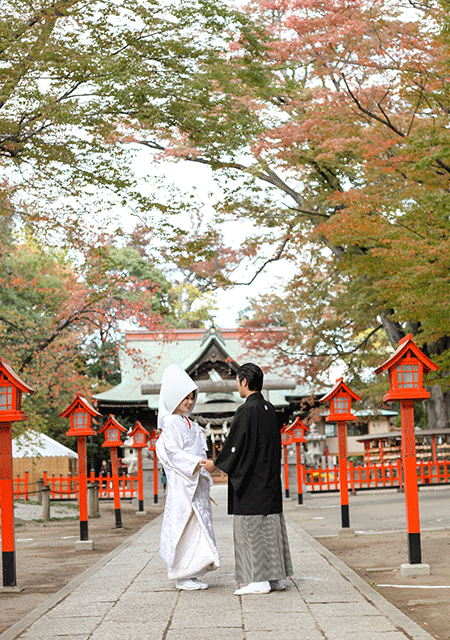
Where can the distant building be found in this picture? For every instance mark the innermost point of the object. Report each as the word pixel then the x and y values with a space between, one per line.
pixel 368 424
pixel 431 445
pixel 36 452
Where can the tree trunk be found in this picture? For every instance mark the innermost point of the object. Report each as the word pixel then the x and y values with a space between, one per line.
pixel 437 408
pixel 393 329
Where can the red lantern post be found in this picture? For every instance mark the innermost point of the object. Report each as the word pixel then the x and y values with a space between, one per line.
pixel 81 414
pixel 152 447
pixel 406 368
pixel 11 389
pixel 286 440
pixel 297 429
pixel 140 437
pixel 340 398
pixel 112 430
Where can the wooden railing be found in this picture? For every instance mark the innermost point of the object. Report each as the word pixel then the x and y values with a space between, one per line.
pixel 128 485
pixel 22 487
pixel 66 487
pixel 376 475
pixel 363 476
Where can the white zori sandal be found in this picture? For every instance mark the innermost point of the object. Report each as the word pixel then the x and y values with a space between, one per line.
pixel 191 584
pixel 253 588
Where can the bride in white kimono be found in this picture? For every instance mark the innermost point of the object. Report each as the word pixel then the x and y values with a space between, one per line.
pixel 187 543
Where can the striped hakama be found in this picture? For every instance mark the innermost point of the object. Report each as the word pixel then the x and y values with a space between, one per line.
pixel 261 548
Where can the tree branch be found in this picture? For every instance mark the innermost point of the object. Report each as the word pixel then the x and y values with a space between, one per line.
pixel 276 257
pixel 55 11
pixel 369 113
pixel 48 341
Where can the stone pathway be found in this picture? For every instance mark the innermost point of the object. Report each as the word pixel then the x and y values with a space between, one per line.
pixel 127 596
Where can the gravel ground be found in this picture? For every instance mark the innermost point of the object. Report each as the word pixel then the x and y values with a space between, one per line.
pixel 33 511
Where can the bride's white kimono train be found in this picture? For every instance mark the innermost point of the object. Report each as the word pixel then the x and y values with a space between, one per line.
pixel 187 545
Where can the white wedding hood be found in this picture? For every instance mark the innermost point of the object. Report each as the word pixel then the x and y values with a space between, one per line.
pixel 175 386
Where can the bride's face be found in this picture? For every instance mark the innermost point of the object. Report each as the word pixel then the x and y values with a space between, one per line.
pixel 185 405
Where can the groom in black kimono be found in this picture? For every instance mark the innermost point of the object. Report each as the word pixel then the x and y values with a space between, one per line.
pixel 251 456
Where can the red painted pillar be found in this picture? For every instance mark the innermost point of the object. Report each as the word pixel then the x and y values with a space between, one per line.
pixel 82 488
pixel 116 487
pixel 299 473
pixel 433 444
pixel 286 471
pixel 7 506
pixel 381 450
pixel 343 484
pixel 155 478
pixel 411 486
pixel 367 451
pixel 140 481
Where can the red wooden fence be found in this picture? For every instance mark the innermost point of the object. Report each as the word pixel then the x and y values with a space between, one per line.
pixel 66 487
pixel 128 485
pixel 363 476
pixel 376 475
pixel 21 487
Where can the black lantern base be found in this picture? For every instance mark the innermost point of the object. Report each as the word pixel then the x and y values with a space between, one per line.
pixel 345 516
pixel 84 532
pixel 9 568
pixel 414 548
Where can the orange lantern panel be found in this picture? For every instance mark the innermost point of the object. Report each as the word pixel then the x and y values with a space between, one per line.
pixel 139 435
pixel 152 441
pixel 340 398
pixel 11 389
pixel 406 368
pixel 298 430
pixel 112 430
pixel 81 414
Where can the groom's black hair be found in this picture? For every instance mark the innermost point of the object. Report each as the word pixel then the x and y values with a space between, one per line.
pixel 253 374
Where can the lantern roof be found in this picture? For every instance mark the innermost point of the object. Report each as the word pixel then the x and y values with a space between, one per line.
pixel 111 422
pixel 340 386
pixel 404 345
pixel 80 403
pixel 11 375
pixel 295 425
pixel 298 423
pixel 138 428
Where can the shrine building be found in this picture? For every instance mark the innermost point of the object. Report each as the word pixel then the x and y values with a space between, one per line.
pixel 211 357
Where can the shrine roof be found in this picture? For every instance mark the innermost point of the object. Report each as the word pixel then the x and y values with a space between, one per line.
pixel 144 355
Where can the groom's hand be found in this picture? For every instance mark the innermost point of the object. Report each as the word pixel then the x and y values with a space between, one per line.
pixel 208 465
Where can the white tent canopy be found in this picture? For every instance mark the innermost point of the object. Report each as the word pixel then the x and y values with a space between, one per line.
pixel 35 445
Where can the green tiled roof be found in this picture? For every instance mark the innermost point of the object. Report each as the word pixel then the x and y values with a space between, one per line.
pixel 155 352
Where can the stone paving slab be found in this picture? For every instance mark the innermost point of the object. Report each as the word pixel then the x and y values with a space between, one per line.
pixel 288 634
pixel 127 596
pixel 199 634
